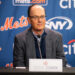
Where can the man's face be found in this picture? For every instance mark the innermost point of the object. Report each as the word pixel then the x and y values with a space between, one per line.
pixel 37 18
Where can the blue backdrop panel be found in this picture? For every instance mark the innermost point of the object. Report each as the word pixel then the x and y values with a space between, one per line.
pixel 13 19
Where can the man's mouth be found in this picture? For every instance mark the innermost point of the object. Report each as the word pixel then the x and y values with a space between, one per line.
pixel 39 24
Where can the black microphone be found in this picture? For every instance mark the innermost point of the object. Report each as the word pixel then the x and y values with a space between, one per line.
pixel 38 36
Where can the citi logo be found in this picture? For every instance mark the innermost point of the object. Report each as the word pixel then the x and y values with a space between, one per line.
pixel 59 23
pixel 70 47
pixel 67 4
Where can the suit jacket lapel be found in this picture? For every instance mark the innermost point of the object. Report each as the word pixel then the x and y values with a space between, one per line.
pixel 31 47
pixel 48 42
pixel 48 48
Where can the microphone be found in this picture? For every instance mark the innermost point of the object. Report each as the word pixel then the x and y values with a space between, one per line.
pixel 38 36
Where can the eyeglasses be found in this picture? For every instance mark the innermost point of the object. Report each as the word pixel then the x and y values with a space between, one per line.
pixel 37 17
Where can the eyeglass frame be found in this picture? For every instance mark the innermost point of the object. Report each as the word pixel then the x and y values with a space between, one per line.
pixel 37 17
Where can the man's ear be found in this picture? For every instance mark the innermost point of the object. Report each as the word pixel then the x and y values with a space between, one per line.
pixel 28 20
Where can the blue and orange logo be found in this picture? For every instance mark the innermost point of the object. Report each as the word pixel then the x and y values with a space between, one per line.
pixel 29 2
pixel 17 24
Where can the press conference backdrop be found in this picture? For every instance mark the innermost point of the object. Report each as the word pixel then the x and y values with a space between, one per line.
pixel 13 20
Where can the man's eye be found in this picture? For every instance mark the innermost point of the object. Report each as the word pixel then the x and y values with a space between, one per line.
pixel 42 16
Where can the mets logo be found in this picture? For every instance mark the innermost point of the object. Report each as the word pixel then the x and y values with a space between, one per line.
pixel 9 24
pixel 45 63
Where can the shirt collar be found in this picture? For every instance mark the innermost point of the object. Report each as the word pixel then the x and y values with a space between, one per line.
pixel 39 39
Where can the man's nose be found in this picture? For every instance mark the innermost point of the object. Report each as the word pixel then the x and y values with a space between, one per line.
pixel 39 19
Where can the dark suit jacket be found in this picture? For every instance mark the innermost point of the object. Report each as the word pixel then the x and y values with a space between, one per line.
pixel 24 47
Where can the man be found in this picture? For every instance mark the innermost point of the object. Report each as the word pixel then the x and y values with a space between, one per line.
pixel 37 41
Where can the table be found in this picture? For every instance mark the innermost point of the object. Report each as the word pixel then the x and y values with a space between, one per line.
pixel 13 71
